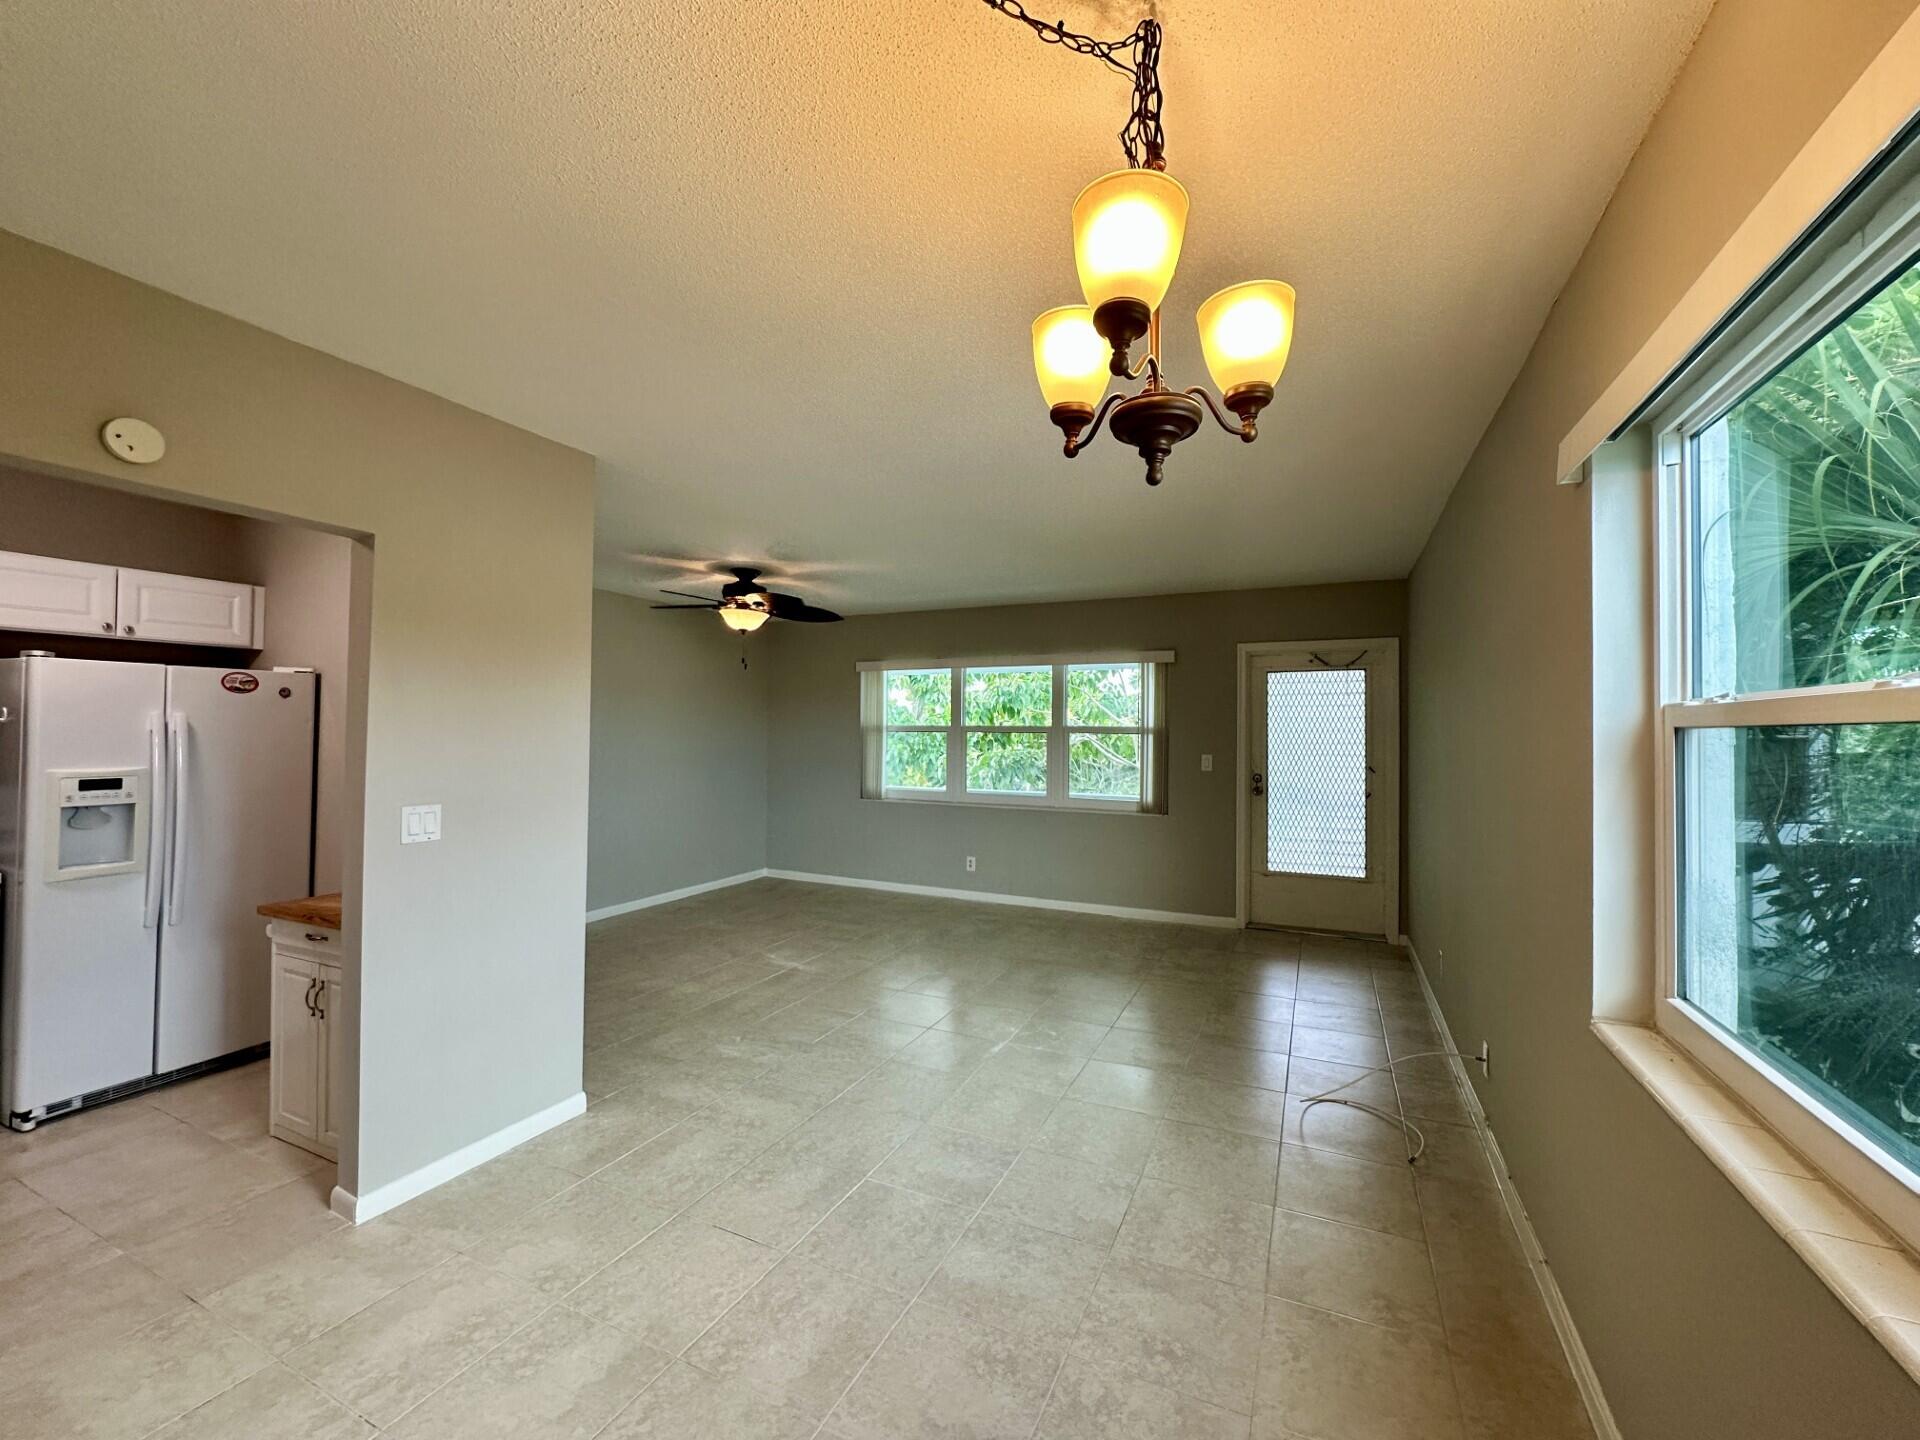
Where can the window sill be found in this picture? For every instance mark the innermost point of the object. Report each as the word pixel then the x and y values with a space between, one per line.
pixel 1050 808
pixel 1872 1274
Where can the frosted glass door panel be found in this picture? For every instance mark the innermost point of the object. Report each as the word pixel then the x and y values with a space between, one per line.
pixel 1317 772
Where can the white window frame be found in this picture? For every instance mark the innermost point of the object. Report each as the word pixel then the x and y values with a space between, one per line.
pixel 1857 267
pixel 1152 722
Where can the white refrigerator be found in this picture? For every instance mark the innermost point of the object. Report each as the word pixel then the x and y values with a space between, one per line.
pixel 145 810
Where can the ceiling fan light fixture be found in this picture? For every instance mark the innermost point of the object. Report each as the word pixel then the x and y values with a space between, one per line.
pixel 745 618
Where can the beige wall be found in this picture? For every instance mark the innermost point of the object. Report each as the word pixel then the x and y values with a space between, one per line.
pixel 679 752
pixel 45 515
pixel 309 580
pixel 1182 861
pixel 467 1007
pixel 1700 1320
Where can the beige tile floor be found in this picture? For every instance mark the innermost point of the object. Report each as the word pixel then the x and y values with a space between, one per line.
pixel 857 1166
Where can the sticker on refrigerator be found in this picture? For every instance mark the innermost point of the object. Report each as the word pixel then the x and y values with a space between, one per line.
pixel 239 682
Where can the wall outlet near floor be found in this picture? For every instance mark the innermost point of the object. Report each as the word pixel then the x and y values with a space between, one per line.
pixel 1206 762
pixel 971 866
pixel 419 823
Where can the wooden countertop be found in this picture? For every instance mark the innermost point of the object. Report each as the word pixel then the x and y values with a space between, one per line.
pixel 321 910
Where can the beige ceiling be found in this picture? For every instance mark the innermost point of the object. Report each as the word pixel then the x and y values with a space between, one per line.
pixel 775 263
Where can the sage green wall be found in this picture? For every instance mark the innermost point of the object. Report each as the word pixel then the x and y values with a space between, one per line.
pixel 1700 1320
pixel 1182 861
pixel 465 1016
pixel 679 792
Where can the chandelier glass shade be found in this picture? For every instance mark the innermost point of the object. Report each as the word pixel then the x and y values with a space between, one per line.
pixel 1127 229
pixel 1245 333
pixel 1070 358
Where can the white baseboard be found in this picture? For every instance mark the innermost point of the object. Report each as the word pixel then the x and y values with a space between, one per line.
pixel 667 897
pixel 997 897
pixel 1605 1427
pixel 362 1208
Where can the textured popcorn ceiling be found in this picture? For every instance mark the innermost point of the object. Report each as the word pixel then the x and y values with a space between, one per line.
pixel 775 263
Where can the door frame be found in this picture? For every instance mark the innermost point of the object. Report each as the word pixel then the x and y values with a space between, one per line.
pixel 1388 771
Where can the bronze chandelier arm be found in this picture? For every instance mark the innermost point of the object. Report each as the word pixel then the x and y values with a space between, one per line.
pixel 1076 443
pixel 1240 430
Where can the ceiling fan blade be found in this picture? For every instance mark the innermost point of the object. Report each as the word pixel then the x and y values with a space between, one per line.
pixel 703 605
pixel 685 596
pixel 792 607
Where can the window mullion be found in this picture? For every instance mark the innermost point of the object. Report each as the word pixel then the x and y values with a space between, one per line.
pixel 1056 739
pixel 956 736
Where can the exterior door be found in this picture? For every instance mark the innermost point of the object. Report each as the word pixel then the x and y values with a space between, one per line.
pixel 1323 786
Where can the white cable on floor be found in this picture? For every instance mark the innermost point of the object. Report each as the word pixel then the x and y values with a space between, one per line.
pixel 1407 1127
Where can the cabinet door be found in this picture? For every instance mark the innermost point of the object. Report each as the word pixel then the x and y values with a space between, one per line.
pixel 294 1072
pixel 55 597
pixel 188 611
pixel 331 1029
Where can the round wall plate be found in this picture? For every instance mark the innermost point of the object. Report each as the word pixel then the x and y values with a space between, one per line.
pixel 134 441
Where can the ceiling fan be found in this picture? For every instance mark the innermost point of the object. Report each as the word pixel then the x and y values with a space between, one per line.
pixel 745 604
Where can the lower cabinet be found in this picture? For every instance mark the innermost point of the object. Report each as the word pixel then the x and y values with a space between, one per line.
pixel 305 1069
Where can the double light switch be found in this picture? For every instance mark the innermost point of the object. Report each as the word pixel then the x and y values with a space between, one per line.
pixel 419 823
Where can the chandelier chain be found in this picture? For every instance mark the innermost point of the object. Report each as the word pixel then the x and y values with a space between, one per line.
pixel 1136 56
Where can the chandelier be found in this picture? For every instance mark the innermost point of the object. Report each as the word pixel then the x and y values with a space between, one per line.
pixel 1127 229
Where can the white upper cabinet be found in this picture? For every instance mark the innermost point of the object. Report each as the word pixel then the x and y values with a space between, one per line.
pixel 187 611
pixel 59 597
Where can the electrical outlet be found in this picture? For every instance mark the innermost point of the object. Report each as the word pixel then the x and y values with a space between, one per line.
pixel 971 866
pixel 1206 762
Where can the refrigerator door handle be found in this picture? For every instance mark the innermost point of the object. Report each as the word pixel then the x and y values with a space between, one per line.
pixel 156 821
pixel 177 723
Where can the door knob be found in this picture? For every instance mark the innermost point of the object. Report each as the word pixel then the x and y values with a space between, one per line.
pixel 1259 783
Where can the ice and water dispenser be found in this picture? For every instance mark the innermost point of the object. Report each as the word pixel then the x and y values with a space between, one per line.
pixel 101 821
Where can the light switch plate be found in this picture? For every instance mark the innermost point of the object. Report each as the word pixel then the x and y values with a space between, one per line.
pixel 419 824
pixel 1206 762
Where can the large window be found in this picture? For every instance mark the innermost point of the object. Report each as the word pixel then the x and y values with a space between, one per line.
pixel 1791 756
pixel 1077 733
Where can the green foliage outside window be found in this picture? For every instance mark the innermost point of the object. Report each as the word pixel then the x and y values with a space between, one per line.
pixel 916 760
pixel 1822 586
pixel 919 697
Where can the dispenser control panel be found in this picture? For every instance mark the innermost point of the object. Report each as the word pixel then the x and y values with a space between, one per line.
pixel 97 789
pixel 100 819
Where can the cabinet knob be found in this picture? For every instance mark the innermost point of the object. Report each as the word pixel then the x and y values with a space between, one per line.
pixel 107 626
pixel 319 937
pixel 129 629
